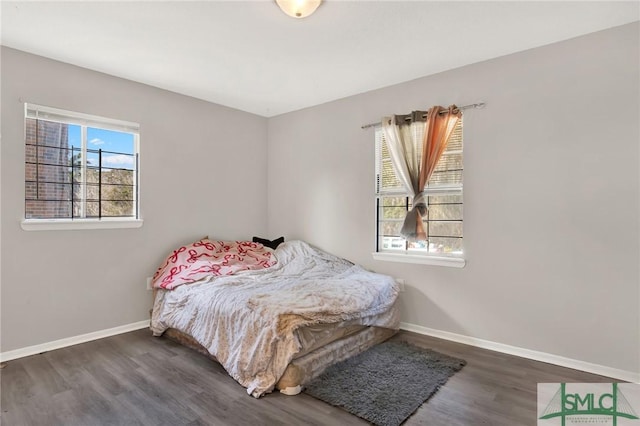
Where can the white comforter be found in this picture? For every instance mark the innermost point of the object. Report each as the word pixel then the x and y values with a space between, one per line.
pixel 248 321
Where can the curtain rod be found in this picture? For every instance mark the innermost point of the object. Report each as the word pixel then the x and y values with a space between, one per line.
pixel 462 108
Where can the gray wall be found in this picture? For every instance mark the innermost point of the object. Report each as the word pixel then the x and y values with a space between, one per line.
pixel 202 172
pixel 551 196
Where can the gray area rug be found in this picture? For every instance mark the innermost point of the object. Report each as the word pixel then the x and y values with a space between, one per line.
pixel 386 383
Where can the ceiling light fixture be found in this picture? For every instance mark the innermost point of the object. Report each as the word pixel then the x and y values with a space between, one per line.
pixel 298 8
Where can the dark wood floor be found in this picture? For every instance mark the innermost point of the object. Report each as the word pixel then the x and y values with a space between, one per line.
pixel 136 379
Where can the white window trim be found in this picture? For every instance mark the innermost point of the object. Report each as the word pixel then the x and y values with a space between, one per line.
pixel 85 120
pixel 79 224
pixel 420 259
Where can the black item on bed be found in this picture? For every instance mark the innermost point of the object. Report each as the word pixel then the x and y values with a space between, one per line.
pixel 268 243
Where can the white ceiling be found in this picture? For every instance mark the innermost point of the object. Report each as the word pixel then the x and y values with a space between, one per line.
pixel 250 56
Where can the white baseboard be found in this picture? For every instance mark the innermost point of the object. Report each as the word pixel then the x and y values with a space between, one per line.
pixel 70 341
pixel 575 364
pixel 601 370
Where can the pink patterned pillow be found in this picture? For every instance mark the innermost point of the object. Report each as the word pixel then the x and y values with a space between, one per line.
pixel 206 258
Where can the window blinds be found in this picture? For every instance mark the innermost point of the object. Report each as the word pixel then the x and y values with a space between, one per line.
pixel 40 112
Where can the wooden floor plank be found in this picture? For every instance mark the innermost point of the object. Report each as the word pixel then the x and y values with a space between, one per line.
pixel 138 379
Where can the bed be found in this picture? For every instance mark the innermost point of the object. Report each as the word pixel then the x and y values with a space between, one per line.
pixel 274 319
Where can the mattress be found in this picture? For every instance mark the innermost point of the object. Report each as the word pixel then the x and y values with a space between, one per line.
pixel 304 368
pixel 311 337
pixel 314 336
pixel 337 345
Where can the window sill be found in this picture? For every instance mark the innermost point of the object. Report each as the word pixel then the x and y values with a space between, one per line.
pixel 78 224
pixel 452 262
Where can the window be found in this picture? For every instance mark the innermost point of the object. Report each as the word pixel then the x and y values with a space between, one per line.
pixel 79 168
pixel 443 222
